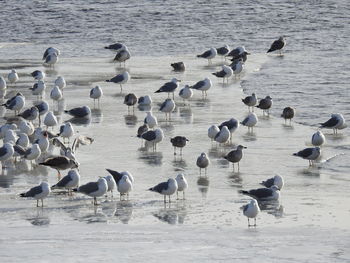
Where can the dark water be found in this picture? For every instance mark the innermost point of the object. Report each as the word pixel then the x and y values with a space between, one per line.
pixel 312 76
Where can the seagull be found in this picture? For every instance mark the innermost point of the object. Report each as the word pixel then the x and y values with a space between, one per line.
pixel 95 94
pixel 186 93
pixel 7 126
pixel 32 153
pixel 80 112
pixel 60 163
pixel 263 194
pixel 310 154
pixel 51 50
pixel 124 186
pixel 115 46
pixel 232 124
pixel 251 210
pixel 70 181
pixel 277 45
pixel 223 135
pixel 26 127
pixel 223 51
pixel 142 129
pixel 168 106
pixel 265 104
pixel 30 114
pixel 6 152
pixel 225 73
pixel 336 122
pixel 56 94
pixel 178 142
pixel 250 101
pixel 15 103
pixel 38 192
pixel 153 137
pixel 203 162
pixel 178 66
pixel 43 141
pixel 51 59
pixel 122 55
pixel 23 140
pixel 94 189
pixel 150 120
pixel 12 76
pixel 43 108
pixel 213 131
pixel 111 184
pixel 2 83
pixel 66 131
pixel 318 139
pixel 38 88
pixel 169 87
pixel 237 67
pixel 276 180
pixel 50 120
pixel 130 100
pixel 165 188
pixel 120 79
pixel 288 114
pixel 60 82
pixel 38 75
pixel 235 156
pixel 250 121
pixel 237 52
pixel 10 137
pixel 243 56
pixel 209 54
pixel 203 85
pixel 118 176
pixel 182 185
pixel 144 100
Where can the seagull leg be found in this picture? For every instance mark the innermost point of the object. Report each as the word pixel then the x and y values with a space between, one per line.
pixel 164 199
pixel 169 199
pixel 180 151
pixel 42 202
pixel 248 222
pixel 177 195
pixel 37 203
pixel 95 201
pixel 183 195
pixel 255 221
pixel 174 150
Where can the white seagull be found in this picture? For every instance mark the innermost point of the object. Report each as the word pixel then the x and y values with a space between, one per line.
pixel 165 188
pixel 38 192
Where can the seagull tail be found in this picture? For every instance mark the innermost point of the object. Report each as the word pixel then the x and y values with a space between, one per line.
pixel 199 56
pixel 243 192
pixel 75 189
pixel 108 80
pixel 158 91
pixel 22 195
pixel 295 154
pixel 270 50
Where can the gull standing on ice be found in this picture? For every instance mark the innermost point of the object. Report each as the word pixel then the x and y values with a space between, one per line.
pixel 278 44
pixel 168 106
pixel 336 122
pixel 6 152
pixel 60 163
pixel 144 100
pixel 165 188
pixel 50 120
pixel 120 79
pixel 288 114
pixel 95 94
pixel 178 142
pixel 265 104
pixel 13 76
pixel 203 85
pixel 153 137
pixel 186 93
pixel 38 192
pixel 94 189
pixel 203 162
pixel 51 50
pixel 213 131
pixel 251 210
pixel 209 55
pixel 223 135
pixel 225 73
pixel 79 112
pixel 250 101
pixel 150 120
pixel 182 185
pixel 250 121
pixel 38 75
pixel 110 183
pixel 318 139
pixel 70 181
pixel 169 87
pixel 15 103
pixel 235 156
pixel 310 154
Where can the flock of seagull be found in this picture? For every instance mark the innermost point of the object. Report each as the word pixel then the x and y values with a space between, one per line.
pixel 21 139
